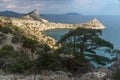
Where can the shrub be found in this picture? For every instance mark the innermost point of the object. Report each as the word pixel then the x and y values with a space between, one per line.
pixel 6 30
pixel 75 66
pixel 8 48
pixel 14 61
pixel 2 37
pixel 48 62
pixel 16 39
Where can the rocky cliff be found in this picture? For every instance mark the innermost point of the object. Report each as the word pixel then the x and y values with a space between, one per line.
pixel 33 15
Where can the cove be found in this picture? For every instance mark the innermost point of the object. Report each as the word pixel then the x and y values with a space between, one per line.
pixel 56 33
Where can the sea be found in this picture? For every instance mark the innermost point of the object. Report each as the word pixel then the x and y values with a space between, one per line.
pixel 111 32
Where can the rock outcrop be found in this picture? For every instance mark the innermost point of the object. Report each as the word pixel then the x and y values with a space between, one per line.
pixel 98 74
pixel 94 23
pixel 34 15
pixel 104 73
pixel 46 75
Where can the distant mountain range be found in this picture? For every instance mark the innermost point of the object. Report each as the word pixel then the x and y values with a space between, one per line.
pixel 62 18
pixel 11 14
pixel 15 14
pixel 73 13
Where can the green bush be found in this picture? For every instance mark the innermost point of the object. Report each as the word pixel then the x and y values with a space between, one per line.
pixel 2 37
pixel 75 66
pixel 14 61
pixel 16 39
pixel 8 48
pixel 48 62
pixel 6 30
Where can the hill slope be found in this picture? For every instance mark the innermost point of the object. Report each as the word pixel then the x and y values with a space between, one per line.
pixel 10 14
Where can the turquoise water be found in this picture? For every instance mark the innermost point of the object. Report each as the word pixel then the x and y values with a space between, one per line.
pixel 56 33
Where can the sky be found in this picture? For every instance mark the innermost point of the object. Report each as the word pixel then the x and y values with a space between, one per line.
pixel 87 7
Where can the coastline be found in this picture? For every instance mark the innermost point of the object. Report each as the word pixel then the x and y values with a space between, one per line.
pixel 35 28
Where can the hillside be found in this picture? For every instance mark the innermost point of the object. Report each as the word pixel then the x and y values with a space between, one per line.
pixel 11 14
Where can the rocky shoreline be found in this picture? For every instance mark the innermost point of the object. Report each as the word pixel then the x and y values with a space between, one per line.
pixel 45 25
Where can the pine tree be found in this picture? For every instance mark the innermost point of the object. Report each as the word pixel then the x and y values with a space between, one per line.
pixel 85 43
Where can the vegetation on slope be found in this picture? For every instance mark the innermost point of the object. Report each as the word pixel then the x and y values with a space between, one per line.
pixel 34 56
pixel 31 57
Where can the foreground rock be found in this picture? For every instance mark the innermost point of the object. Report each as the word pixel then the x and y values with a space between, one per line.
pixel 103 73
pixel 98 74
pixel 46 75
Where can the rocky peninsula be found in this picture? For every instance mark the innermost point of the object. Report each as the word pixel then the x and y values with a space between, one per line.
pixel 33 24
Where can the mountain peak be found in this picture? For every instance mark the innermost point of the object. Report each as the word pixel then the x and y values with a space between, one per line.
pixel 95 20
pixel 34 12
pixel 33 15
pixel 73 13
pixel 94 24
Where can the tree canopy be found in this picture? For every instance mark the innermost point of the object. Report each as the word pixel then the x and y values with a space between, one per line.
pixel 85 43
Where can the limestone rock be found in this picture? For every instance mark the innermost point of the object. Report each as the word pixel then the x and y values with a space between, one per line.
pixel 98 74
pixel 34 15
pixel 94 24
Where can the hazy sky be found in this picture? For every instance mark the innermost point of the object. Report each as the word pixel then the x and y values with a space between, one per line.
pixel 94 7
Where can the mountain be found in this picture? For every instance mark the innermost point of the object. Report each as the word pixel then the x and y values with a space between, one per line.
pixel 73 13
pixel 10 14
pixel 33 15
pixel 73 18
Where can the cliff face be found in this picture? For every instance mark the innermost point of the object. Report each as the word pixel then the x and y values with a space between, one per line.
pixel 34 15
